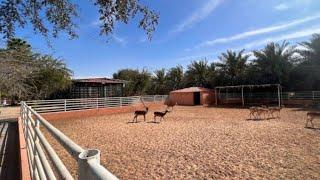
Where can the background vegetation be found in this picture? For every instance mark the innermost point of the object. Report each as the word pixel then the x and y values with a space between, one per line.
pixel 294 67
pixel 28 75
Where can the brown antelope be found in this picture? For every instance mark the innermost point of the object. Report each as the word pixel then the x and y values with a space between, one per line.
pixel 170 106
pixel 253 112
pixel 140 113
pixel 256 111
pixel 273 110
pixel 311 116
pixel 159 114
pixel 263 111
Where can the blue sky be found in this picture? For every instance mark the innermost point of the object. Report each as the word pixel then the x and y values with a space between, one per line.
pixel 188 30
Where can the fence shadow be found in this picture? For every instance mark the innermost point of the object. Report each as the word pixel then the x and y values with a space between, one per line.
pixel 9 155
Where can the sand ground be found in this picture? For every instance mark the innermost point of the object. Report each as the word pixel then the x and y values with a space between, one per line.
pixel 200 143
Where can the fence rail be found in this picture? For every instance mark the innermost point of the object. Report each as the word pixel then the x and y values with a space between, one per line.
pixel 39 150
pixel 58 105
pixel 300 95
pixel 44 162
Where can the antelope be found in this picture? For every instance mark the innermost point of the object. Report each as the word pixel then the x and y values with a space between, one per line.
pixel 273 110
pixel 261 111
pixel 256 111
pixel 253 112
pixel 140 113
pixel 311 116
pixel 170 106
pixel 159 114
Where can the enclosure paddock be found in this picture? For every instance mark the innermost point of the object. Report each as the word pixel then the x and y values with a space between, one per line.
pixel 197 142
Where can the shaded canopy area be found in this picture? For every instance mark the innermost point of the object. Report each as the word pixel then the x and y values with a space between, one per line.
pixel 249 92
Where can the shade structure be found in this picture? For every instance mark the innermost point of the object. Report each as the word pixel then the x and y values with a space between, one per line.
pixel 192 96
pixel 242 89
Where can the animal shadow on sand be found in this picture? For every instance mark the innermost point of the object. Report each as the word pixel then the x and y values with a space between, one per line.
pixel 154 122
pixel 260 119
pixel 133 122
pixel 313 128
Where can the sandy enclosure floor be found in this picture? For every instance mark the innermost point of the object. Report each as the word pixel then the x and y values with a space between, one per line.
pixel 9 112
pixel 200 143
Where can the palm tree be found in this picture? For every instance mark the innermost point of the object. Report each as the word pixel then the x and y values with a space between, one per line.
pixel 197 73
pixel 232 67
pixel 159 82
pixel 306 74
pixel 174 77
pixel 274 63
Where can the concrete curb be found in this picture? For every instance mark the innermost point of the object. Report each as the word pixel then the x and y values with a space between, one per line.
pixel 23 157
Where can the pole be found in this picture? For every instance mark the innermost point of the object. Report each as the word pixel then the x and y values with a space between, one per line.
pixel 242 96
pixel 227 95
pixel 216 96
pixel 279 101
pixel 312 95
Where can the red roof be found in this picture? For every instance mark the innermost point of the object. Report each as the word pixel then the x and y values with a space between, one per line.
pixel 100 80
pixel 192 89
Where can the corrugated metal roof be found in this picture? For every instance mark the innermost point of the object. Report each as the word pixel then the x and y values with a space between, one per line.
pixel 100 80
pixel 192 89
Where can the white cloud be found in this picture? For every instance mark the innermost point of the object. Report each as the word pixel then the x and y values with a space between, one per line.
pixel 120 40
pixel 289 36
pixel 255 32
pixel 281 7
pixel 96 23
pixel 197 16
pixel 255 44
pixel 293 4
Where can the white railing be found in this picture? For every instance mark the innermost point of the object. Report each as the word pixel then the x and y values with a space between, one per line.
pixel 299 95
pixel 39 150
pixel 302 95
pixel 44 162
pixel 58 105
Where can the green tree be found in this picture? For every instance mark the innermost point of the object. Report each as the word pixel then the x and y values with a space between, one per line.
pixel 274 63
pixel 306 73
pixel 197 74
pixel 20 70
pixel 158 84
pixel 49 17
pixel 174 78
pixel 138 81
pixel 51 77
pixel 232 67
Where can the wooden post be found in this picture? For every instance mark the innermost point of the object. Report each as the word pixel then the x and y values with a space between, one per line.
pixel 242 96
pixel 227 95
pixel 279 101
pixel 216 96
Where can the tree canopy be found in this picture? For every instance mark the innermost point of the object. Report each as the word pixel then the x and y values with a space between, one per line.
pixel 27 75
pixel 49 18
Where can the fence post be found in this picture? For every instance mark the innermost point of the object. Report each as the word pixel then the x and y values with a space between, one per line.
pixel 84 172
pixel 120 101
pixel 97 102
pixel 65 105
pixel 154 98
pixel 312 95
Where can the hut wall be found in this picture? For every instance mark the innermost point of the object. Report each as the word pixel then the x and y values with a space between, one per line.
pixel 182 98
pixel 187 98
pixel 211 97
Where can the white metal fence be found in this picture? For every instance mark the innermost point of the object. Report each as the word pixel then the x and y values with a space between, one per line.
pixel 44 162
pixel 58 105
pixel 301 95
pixel 39 150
